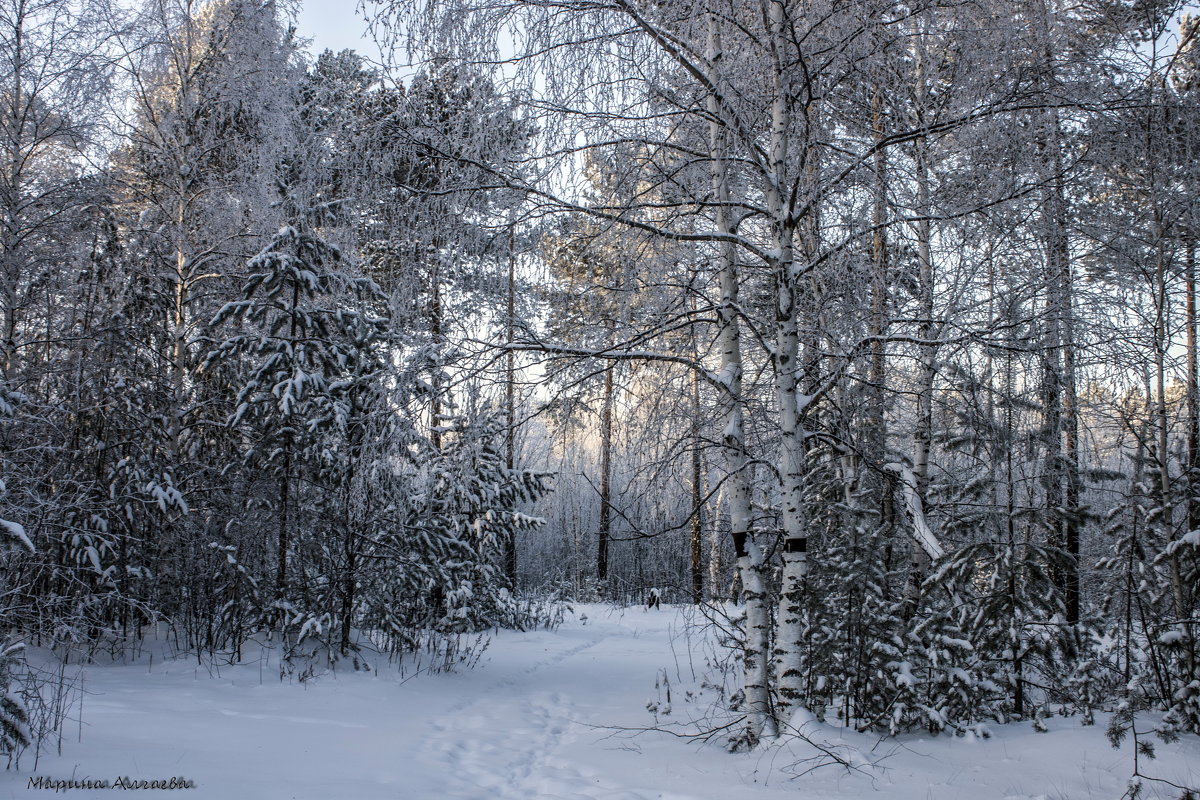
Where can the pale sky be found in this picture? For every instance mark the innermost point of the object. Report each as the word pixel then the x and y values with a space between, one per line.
pixel 333 24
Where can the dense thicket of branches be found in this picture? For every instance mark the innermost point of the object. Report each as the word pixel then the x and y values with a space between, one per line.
pixel 890 308
pixel 230 283
pixel 877 318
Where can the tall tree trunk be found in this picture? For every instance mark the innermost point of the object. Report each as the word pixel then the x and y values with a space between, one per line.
pixel 510 406
pixel 606 419
pixel 788 654
pixel 716 567
pixel 350 577
pixel 1058 395
pixel 1016 646
pixel 437 338
pixel 927 331
pixel 183 186
pixel 282 539
pixel 356 437
pixel 285 481
pixel 10 280
pixel 875 422
pixel 757 648
pixel 696 533
pixel 1162 343
pixel 1074 479
pixel 1193 390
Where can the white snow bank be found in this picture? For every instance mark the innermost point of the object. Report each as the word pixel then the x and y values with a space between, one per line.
pixel 545 715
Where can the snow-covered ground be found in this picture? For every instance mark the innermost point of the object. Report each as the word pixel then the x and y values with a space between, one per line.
pixel 544 715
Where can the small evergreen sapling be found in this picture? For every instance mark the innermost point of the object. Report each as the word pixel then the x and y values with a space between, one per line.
pixel 14 721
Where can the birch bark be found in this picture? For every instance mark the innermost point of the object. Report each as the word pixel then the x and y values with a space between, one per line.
pixel 760 717
pixel 788 653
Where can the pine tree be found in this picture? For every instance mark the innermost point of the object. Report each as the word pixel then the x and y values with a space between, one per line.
pixel 295 336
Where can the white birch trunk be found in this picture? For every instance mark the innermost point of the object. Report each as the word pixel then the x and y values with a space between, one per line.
pixel 788 654
pixel 927 364
pixel 760 719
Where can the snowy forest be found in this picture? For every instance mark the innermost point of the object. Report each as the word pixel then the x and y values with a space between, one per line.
pixel 860 333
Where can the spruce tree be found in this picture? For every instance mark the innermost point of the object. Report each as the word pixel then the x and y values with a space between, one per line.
pixel 297 337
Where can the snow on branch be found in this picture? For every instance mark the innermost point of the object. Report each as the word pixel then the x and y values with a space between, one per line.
pixel 15 533
pixel 915 510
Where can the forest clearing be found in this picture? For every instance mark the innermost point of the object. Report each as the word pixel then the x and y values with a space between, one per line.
pixel 338 387
pixel 545 715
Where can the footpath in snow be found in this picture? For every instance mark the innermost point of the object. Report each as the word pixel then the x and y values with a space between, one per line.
pixel 544 715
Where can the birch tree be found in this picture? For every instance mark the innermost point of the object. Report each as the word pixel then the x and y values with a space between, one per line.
pixel 771 82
